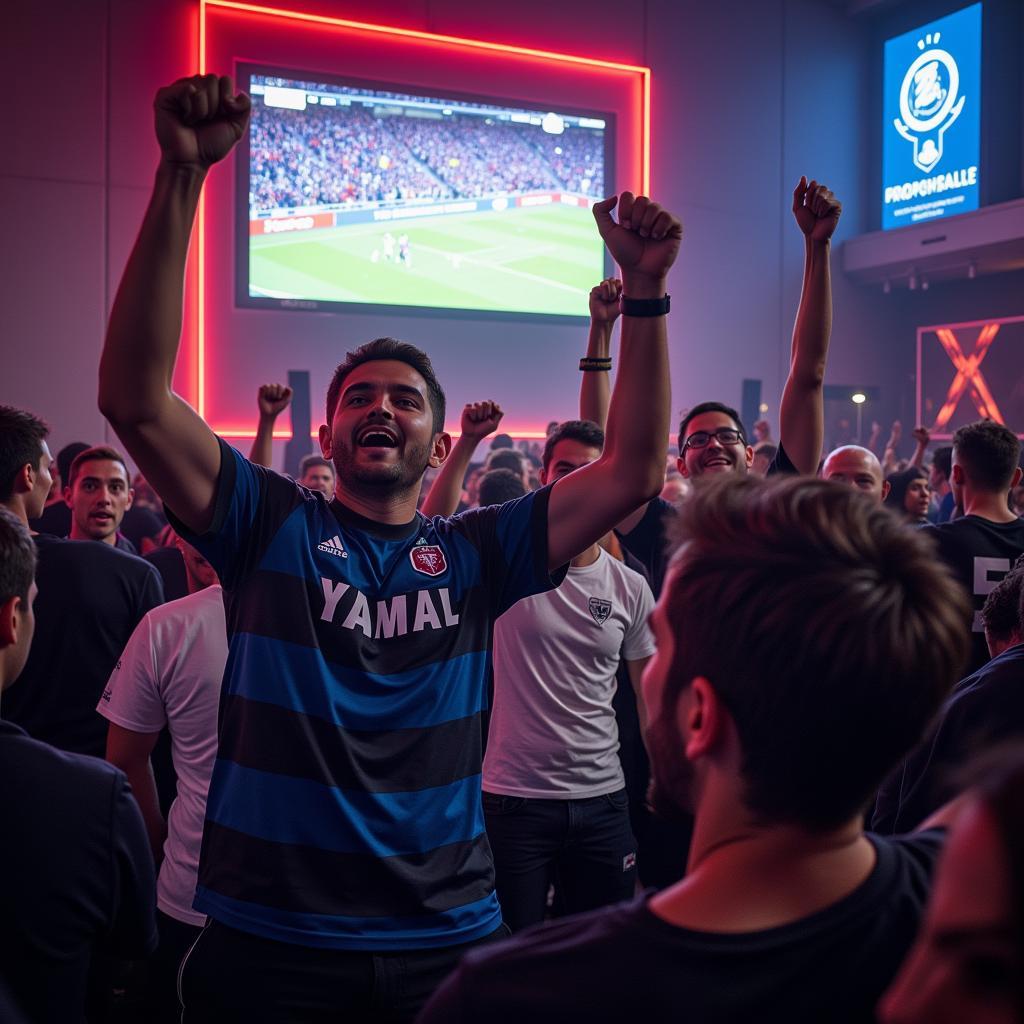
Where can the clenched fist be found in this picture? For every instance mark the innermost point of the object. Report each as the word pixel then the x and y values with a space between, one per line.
pixel 644 242
pixel 480 419
pixel 816 210
pixel 604 300
pixel 273 399
pixel 199 120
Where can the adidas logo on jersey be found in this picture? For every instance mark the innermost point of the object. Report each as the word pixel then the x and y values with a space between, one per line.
pixel 333 547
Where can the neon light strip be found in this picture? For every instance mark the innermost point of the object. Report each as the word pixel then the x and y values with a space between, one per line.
pixel 286 435
pixel 407 33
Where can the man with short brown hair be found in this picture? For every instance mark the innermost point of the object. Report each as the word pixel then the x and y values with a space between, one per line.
pixel 98 492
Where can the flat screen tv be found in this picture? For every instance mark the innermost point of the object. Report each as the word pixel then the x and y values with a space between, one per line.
pixel 353 195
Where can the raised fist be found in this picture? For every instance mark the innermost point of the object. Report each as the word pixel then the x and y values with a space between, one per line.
pixel 896 433
pixel 199 120
pixel 604 300
pixel 922 436
pixel 273 399
pixel 645 240
pixel 816 210
pixel 480 419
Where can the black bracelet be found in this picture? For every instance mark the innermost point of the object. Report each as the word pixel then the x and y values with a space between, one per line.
pixel 596 363
pixel 644 307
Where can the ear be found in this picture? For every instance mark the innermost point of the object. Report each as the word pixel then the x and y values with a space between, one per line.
pixel 702 719
pixel 958 475
pixel 1017 474
pixel 67 498
pixel 131 498
pixel 441 450
pixel 542 475
pixel 886 488
pixel 749 452
pixel 681 465
pixel 325 440
pixel 9 621
pixel 24 479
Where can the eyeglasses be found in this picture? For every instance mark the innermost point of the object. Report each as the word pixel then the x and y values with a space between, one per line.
pixel 702 438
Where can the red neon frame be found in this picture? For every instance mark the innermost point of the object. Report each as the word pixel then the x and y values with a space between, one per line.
pixel 458 42
pixel 967 366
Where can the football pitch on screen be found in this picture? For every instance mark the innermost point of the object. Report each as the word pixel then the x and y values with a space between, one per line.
pixel 536 260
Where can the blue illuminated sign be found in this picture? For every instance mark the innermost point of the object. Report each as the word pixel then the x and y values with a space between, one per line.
pixel 931 120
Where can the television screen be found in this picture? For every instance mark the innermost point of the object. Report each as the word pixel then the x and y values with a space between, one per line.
pixel 932 120
pixel 357 194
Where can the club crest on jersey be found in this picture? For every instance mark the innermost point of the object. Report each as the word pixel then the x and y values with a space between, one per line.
pixel 428 559
pixel 600 609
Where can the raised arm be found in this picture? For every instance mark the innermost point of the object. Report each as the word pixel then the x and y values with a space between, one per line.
pixel 802 413
pixel 587 503
pixel 595 391
pixel 889 459
pixel 198 122
pixel 478 420
pixel 922 436
pixel 271 400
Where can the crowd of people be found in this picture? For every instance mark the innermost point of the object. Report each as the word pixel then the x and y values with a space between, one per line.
pixel 588 730
pixel 347 154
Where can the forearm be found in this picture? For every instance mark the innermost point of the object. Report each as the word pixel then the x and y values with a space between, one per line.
pixel 443 497
pixel 638 415
pixel 262 451
pixel 801 428
pixel 917 459
pixel 595 390
pixel 142 340
pixel 140 777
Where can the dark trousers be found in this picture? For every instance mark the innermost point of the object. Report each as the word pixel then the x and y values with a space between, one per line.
pixel 233 977
pixel 585 847
pixel 176 939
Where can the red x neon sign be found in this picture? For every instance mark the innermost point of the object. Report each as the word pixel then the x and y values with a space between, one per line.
pixel 969 377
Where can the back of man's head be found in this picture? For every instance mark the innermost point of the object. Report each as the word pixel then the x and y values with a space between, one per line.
pixel 66 456
pixel 1002 615
pixel 21 443
pixel 942 461
pixel 17 571
pixel 585 432
pixel 506 458
pixel 988 454
pixel 829 631
pixel 502 441
pixel 500 485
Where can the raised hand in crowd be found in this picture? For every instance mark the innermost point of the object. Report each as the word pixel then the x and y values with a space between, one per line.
pixel 923 437
pixel 271 401
pixel 595 389
pixel 479 419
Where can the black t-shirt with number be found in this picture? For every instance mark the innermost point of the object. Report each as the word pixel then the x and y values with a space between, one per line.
pixel 980 553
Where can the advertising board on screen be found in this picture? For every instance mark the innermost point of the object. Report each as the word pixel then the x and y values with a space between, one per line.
pixel 356 194
pixel 932 120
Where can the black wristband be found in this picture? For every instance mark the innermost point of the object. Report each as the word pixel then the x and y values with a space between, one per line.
pixel 644 307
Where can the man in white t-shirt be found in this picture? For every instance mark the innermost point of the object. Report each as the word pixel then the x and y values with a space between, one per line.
pixel 170 675
pixel 554 793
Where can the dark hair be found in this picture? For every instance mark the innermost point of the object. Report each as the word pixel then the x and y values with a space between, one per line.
pixel 1002 614
pixel 704 407
pixel 766 450
pixel 500 485
pixel 389 348
pixel 942 460
pixel 506 458
pixel 66 456
pixel 585 431
pixel 899 484
pixel 95 454
pixel 21 443
pixel 17 557
pixel 502 441
pixel 857 631
pixel 310 461
pixel 989 453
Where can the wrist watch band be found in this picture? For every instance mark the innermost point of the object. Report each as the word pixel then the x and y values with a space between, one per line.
pixel 644 307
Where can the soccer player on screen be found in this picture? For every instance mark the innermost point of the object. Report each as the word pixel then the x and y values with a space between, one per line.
pixel 344 865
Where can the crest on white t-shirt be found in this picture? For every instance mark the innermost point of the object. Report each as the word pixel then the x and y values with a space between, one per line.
pixel 600 609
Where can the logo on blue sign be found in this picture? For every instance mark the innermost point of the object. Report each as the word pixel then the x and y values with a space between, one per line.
pixel 932 120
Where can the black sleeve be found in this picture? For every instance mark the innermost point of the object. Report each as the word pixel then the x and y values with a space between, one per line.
pixel 781 464
pixel 151 594
pixel 132 933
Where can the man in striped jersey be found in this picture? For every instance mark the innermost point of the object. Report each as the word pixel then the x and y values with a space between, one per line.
pixel 344 865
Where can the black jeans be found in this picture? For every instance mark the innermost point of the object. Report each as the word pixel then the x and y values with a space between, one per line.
pixel 586 847
pixel 233 977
